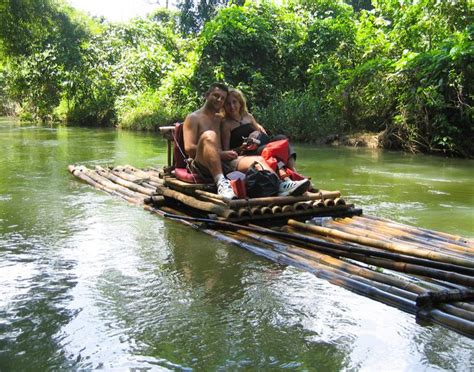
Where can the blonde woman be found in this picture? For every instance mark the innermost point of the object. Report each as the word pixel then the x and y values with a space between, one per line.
pixel 241 132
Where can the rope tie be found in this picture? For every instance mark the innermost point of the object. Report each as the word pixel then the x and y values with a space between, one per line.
pixel 176 143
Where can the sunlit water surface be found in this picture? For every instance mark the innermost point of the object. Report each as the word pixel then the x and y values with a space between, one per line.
pixel 88 281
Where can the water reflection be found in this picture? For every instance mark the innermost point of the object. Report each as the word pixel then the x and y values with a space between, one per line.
pixel 35 289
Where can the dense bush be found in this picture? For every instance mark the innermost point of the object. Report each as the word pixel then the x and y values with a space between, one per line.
pixel 309 68
pixel 301 116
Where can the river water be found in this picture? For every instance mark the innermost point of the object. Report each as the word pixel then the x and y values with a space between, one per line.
pixel 89 281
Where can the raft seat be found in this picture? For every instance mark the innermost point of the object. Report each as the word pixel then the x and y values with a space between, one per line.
pixel 179 168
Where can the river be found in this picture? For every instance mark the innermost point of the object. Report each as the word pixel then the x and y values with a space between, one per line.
pixel 89 281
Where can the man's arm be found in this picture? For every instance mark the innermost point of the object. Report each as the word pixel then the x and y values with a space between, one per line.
pixel 190 131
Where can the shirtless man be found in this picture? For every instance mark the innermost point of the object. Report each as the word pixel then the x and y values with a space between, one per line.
pixel 201 131
pixel 202 143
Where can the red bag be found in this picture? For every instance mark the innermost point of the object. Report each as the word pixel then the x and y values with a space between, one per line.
pixel 276 151
pixel 239 188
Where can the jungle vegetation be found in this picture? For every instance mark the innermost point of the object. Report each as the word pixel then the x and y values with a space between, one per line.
pixel 309 68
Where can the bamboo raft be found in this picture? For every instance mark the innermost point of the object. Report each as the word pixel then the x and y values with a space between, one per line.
pixel 420 271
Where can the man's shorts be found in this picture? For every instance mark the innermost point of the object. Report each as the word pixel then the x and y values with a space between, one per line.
pixel 202 171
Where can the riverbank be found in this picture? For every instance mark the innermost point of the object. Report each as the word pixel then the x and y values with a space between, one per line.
pixel 361 139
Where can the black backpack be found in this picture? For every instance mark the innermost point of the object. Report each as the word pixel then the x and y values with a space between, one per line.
pixel 261 182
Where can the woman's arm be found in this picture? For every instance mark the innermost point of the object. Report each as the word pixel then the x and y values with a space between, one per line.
pixel 256 125
pixel 225 135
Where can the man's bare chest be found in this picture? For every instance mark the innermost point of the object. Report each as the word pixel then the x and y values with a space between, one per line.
pixel 214 126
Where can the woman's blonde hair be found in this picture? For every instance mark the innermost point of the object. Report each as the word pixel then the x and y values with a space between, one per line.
pixel 241 98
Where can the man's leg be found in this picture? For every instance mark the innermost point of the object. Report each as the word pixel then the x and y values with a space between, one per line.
pixel 246 161
pixel 208 155
pixel 287 187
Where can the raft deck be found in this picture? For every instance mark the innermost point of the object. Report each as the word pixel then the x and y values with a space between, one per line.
pixel 421 271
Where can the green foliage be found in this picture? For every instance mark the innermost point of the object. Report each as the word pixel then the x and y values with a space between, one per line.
pixel 43 43
pixel 301 116
pixel 194 14
pixel 413 77
pixel 434 98
pixel 255 47
pixel 369 101
pixel 309 68
pixel 419 26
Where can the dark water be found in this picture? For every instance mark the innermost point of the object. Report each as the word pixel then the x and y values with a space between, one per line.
pixel 88 281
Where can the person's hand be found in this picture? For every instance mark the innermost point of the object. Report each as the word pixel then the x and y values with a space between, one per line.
pixel 229 155
pixel 261 129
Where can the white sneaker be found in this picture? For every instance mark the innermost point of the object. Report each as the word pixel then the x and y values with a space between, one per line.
pixel 225 190
pixel 295 188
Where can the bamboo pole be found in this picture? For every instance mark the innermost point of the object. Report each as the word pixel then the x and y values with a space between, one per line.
pixel 351 249
pixel 440 235
pixel 244 212
pixel 277 200
pixel 143 173
pixel 130 185
pixel 211 199
pixel 81 174
pixel 334 262
pixel 276 209
pixel 318 204
pixel 155 200
pixel 399 248
pixel 144 182
pixel 186 186
pixel 381 233
pixel 287 208
pixel 288 212
pixel 338 271
pixel 322 245
pixel 417 236
pixel 458 324
pixel 329 203
pixel 139 175
pixel 158 173
pixel 394 285
pixel 385 282
pixel 211 195
pixel 111 185
pixel 300 206
pixel 372 291
pixel 198 204
pixel 393 234
pixel 404 267
pixel 255 211
pixel 362 256
pixel 266 210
